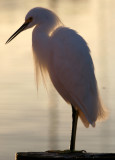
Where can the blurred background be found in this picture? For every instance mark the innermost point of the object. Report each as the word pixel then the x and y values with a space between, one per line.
pixel 31 121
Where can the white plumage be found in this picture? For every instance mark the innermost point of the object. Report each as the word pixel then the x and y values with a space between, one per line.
pixel 66 56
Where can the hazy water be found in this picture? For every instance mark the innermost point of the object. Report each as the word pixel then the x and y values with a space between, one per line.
pixel 39 122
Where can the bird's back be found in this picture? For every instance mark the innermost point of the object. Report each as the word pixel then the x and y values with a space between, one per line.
pixel 72 73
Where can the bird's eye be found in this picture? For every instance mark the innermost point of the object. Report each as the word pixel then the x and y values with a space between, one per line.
pixel 29 19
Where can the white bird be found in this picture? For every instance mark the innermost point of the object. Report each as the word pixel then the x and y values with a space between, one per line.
pixel 66 56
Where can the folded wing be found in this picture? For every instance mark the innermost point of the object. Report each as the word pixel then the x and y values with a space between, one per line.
pixel 72 73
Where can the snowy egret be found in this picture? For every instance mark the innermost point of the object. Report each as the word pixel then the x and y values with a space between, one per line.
pixel 66 56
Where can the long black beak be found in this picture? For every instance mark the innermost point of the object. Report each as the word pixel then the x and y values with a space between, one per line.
pixel 17 32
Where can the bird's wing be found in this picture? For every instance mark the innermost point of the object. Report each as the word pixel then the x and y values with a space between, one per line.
pixel 72 73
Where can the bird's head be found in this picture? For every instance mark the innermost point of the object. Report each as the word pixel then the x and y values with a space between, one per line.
pixel 30 21
pixel 36 16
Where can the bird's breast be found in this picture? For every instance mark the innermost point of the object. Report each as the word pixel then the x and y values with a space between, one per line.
pixel 41 46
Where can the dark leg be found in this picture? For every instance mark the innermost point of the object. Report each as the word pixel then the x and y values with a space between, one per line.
pixel 74 126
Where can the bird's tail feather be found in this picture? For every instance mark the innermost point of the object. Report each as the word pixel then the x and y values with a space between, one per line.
pixel 102 115
pixel 83 119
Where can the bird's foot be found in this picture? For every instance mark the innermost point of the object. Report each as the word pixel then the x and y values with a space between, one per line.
pixel 66 151
pixel 81 151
